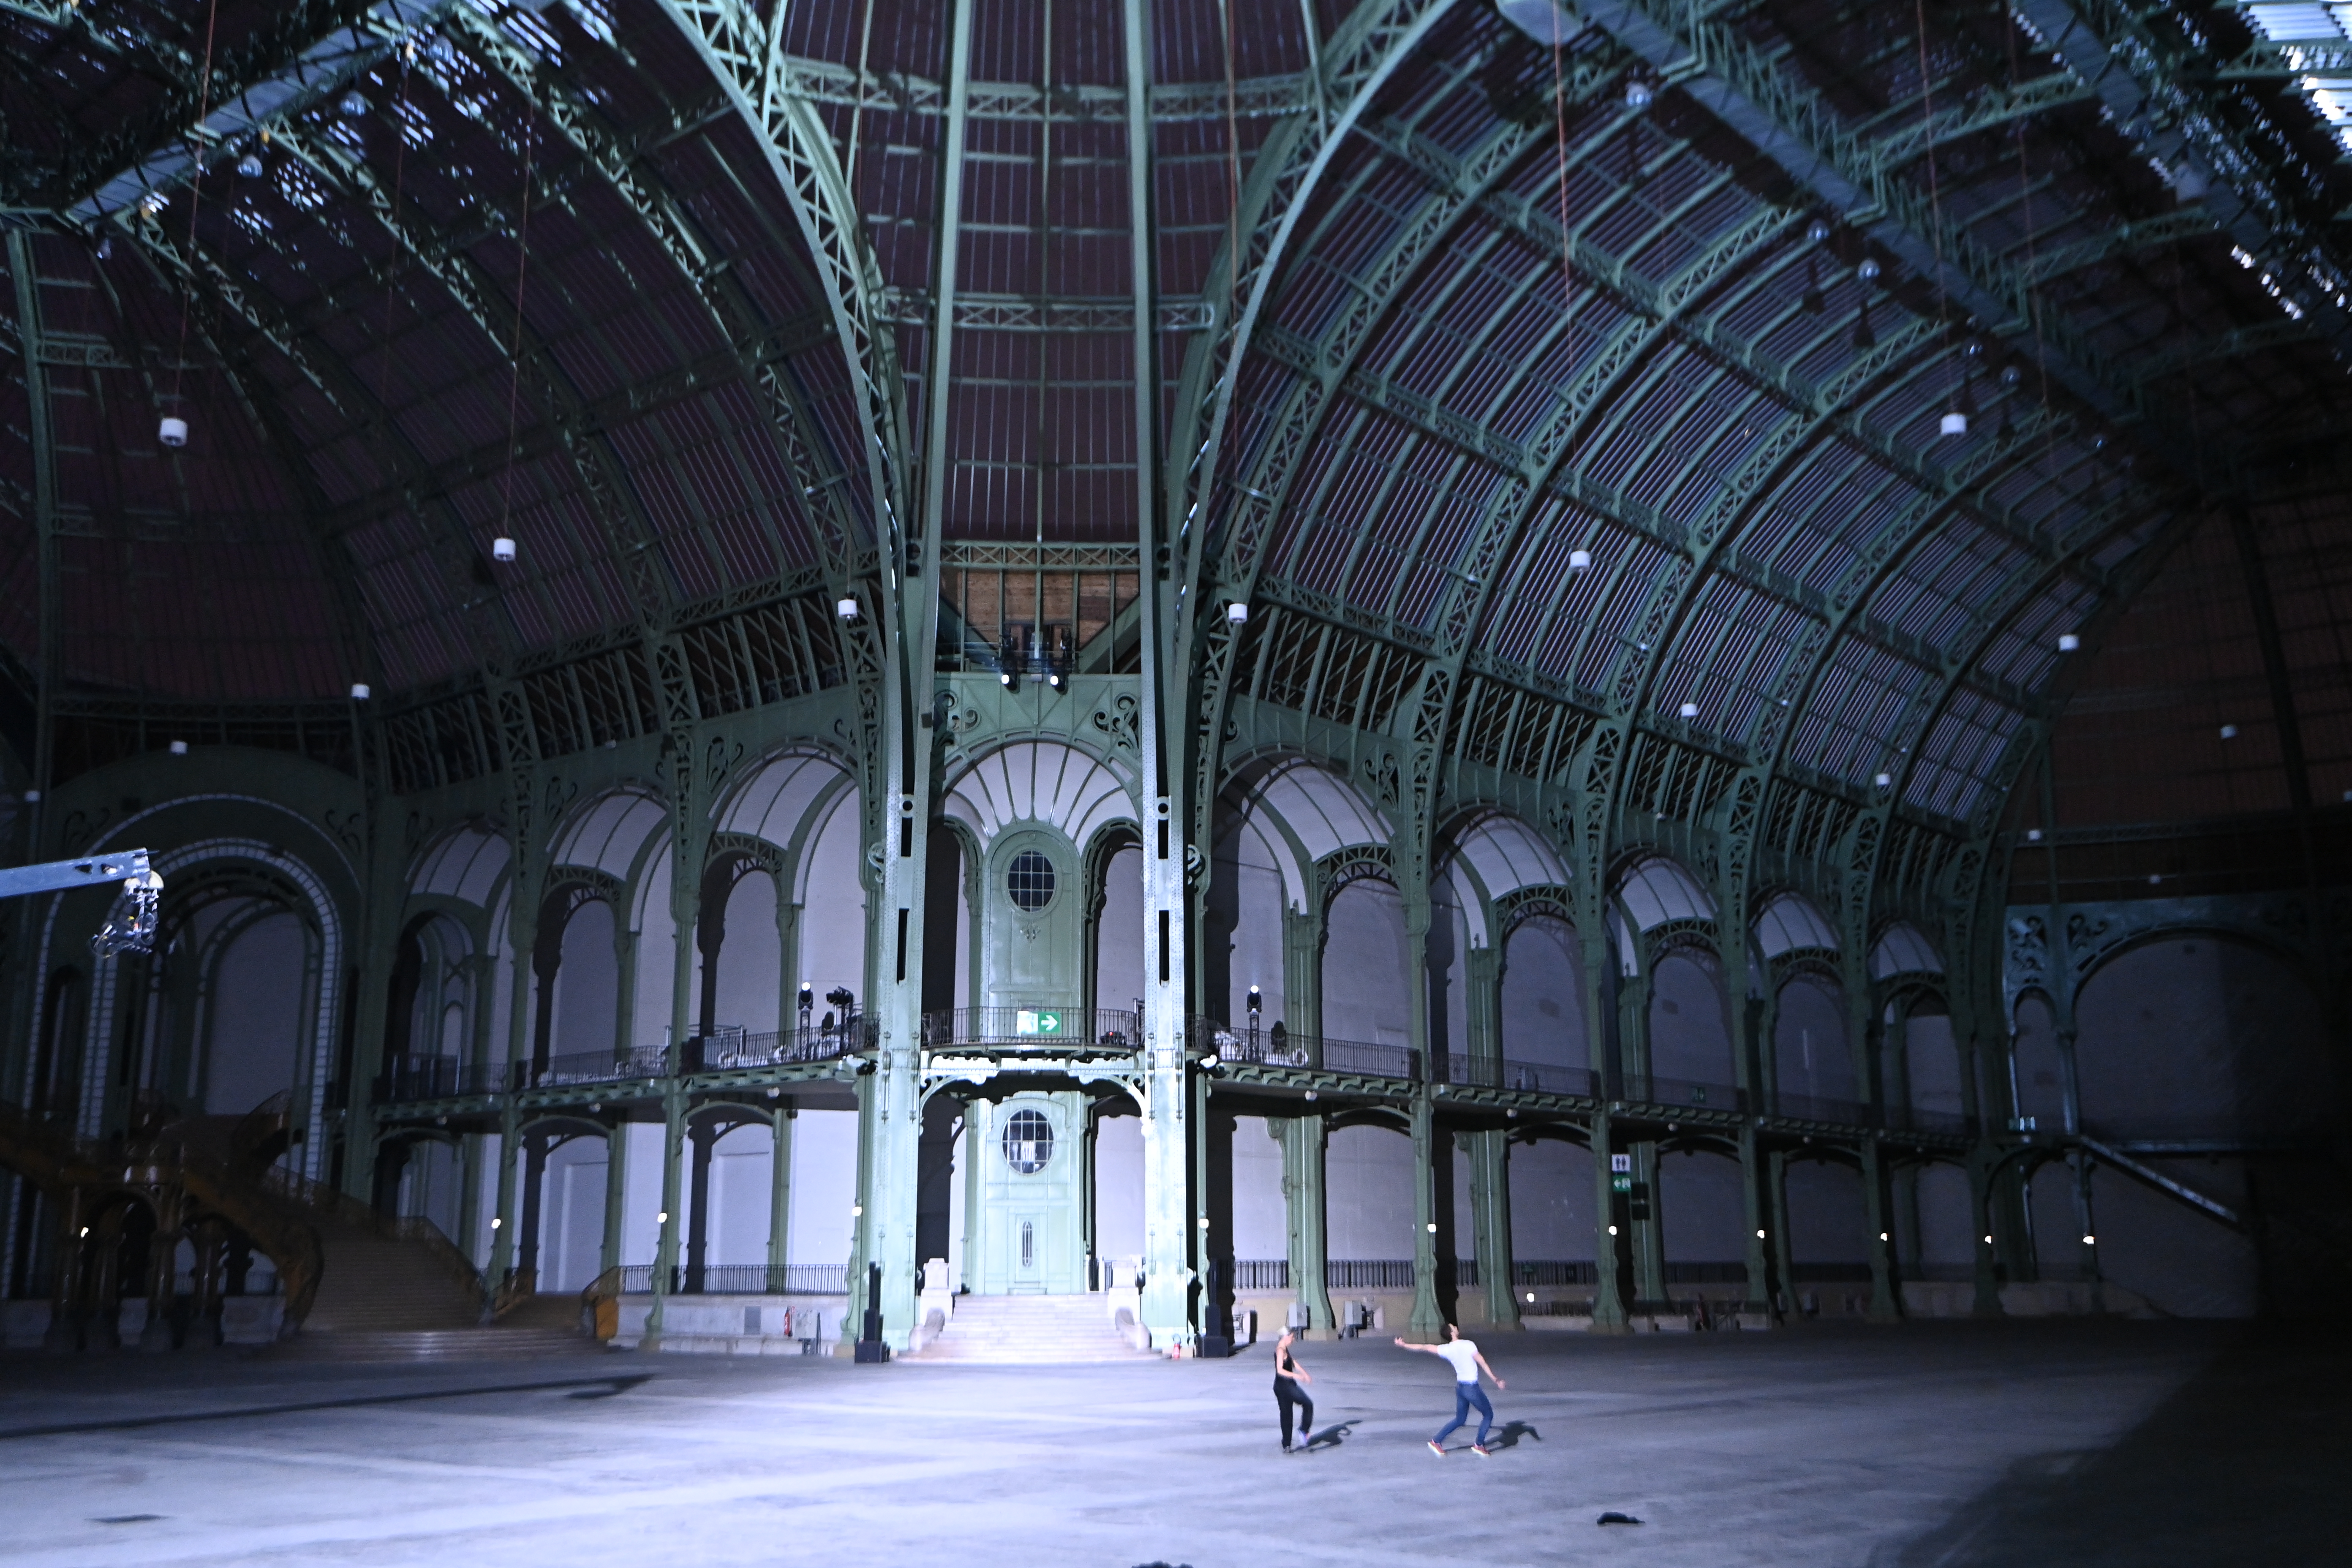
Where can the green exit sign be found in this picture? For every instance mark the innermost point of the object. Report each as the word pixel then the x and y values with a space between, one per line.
pixel 1029 1021
pixel 1620 1183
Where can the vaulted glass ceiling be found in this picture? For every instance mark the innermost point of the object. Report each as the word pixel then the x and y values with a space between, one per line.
pixel 1788 375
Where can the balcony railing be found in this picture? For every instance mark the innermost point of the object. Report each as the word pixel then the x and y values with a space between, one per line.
pixel 1268 1048
pixel 1651 1091
pixel 1912 1118
pixel 1552 1273
pixel 1528 1077
pixel 600 1067
pixel 1032 1029
pixel 407 1077
pixel 1262 1274
pixel 1821 1107
pixel 732 1047
pixel 1228 1044
pixel 741 1279
pixel 1368 1274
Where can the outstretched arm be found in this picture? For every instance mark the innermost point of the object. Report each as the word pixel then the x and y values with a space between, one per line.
pixel 1484 1368
pixel 1428 1350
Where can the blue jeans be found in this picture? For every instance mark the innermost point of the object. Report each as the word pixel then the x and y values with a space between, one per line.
pixel 1466 1396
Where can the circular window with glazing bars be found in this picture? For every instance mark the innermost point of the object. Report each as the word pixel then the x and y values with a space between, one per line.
pixel 1030 880
pixel 1028 1142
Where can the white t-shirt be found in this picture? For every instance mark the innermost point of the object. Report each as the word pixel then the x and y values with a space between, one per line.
pixel 1464 1354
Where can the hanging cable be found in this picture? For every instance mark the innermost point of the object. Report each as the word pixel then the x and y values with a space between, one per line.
pixel 399 177
pixel 2010 377
pixel 172 430
pixel 1560 138
pixel 1954 422
pixel 503 549
pixel 1233 166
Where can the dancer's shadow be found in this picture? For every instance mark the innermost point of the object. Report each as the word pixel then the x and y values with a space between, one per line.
pixel 1329 1436
pixel 1507 1435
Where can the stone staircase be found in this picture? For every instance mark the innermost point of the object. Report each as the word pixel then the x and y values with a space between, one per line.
pixel 384 1300
pixel 1030 1331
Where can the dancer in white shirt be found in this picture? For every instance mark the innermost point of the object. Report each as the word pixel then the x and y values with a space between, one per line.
pixel 1467 1363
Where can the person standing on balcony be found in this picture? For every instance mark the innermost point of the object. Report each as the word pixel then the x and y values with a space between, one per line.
pixel 1290 1381
pixel 1467 1363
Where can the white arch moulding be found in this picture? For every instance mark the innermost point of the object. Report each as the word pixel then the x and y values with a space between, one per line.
pixel 468 863
pixel 1302 813
pixel 96 1052
pixel 1045 782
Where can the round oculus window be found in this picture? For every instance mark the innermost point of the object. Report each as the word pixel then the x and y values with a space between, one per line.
pixel 1030 880
pixel 1028 1142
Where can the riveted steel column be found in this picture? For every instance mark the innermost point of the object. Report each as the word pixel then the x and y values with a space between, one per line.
pixel 1884 1306
pixel 1302 1141
pixel 1756 1211
pixel 502 1221
pixel 1168 1269
pixel 1303 932
pixel 1489 1148
pixel 667 1222
pixel 1428 1319
pixel 1600 969
pixel 779 1196
pixel 890 1108
pixel 616 1192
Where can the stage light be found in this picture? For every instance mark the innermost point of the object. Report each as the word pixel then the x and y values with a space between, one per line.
pixel 172 431
pixel 502 549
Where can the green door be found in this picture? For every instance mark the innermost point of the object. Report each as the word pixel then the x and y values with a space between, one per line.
pixel 1024 1233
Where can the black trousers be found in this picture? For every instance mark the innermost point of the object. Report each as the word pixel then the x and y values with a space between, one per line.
pixel 1288 1392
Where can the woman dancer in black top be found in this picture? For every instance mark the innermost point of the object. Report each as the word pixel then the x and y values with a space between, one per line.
pixel 1289 1381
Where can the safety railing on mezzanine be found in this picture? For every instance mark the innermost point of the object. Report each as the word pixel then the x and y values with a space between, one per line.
pixel 407 1077
pixel 737 1280
pixel 1279 1047
pixel 597 1067
pixel 730 1046
pixel 1650 1090
pixel 1031 1029
pixel 1527 1077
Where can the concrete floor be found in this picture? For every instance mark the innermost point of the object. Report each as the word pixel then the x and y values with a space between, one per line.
pixel 2138 1445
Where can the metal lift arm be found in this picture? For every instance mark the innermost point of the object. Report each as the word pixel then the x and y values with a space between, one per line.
pixel 132 929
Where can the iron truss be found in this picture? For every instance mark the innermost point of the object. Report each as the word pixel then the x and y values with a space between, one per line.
pixel 1579 409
